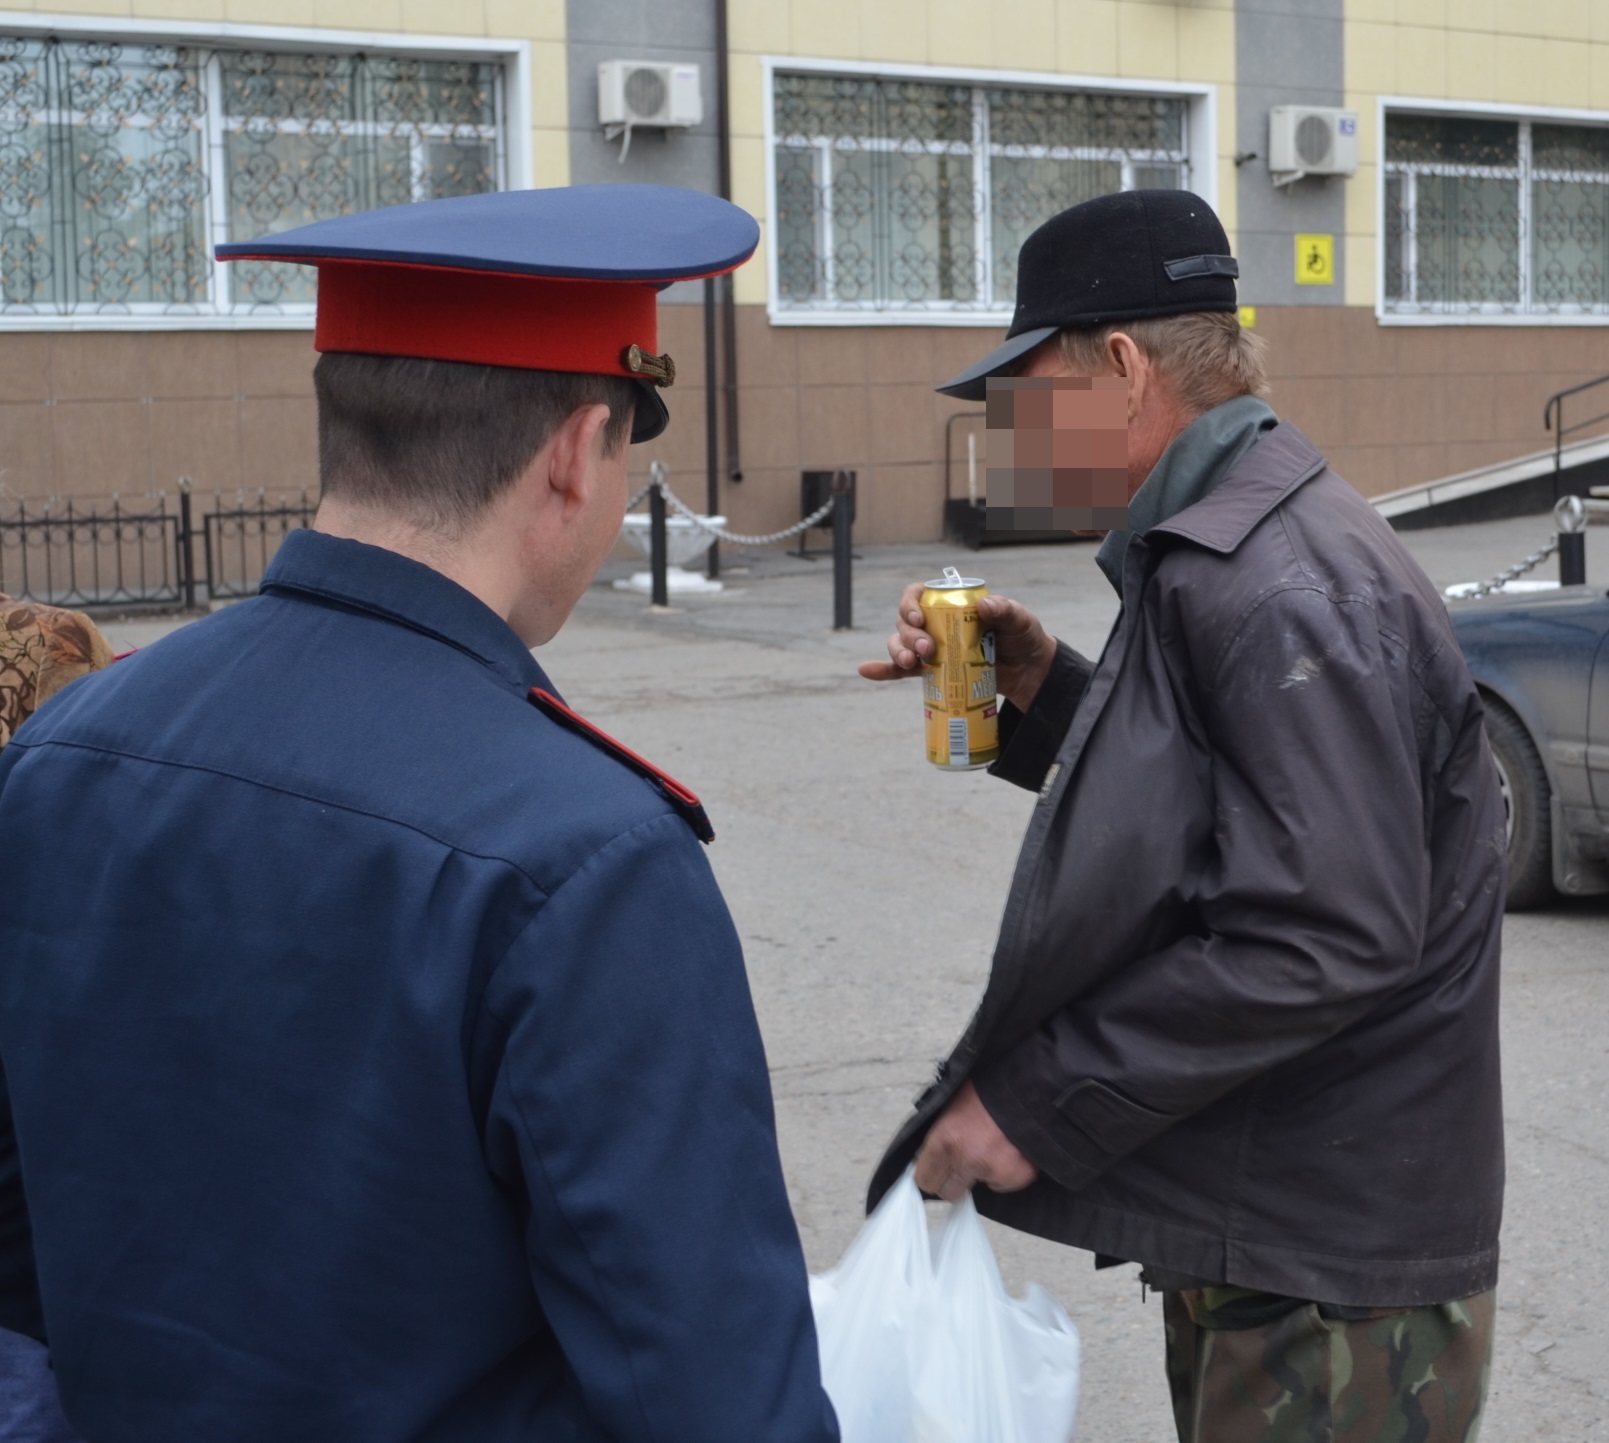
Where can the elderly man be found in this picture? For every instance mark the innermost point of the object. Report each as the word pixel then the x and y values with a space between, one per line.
pixel 381 1061
pixel 1241 1026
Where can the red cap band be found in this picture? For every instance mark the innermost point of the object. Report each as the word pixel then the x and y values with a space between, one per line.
pixel 489 318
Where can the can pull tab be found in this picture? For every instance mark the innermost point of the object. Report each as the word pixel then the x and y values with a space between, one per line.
pixel 952 576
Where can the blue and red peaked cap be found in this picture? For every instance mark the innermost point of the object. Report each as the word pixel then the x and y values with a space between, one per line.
pixel 565 279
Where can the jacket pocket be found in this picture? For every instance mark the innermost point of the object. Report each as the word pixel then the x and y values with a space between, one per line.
pixel 1113 1122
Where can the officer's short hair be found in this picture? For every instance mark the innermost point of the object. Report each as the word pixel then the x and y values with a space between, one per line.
pixel 439 441
pixel 1207 357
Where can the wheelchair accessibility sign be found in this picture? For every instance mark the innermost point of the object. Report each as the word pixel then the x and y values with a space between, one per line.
pixel 1315 260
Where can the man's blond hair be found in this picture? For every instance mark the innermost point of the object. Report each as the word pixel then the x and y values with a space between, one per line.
pixel 1206 357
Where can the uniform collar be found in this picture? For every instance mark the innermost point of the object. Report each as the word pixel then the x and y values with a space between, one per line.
pixel 384 583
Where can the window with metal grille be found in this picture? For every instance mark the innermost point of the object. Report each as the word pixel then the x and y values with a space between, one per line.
pixel 1494 217
pixel 122 164
pixel 900 195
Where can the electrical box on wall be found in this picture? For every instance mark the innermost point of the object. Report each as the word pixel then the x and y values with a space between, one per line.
pixel 1311 140
pixel 649 93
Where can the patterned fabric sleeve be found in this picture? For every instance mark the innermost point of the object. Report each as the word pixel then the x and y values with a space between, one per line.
pixel 42 648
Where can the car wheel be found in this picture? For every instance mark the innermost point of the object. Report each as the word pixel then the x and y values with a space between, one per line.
pixel 1527 808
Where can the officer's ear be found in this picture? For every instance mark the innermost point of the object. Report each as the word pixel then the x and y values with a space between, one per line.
pixel 575 452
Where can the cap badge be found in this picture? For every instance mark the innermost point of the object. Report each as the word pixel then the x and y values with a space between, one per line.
pixel 661 370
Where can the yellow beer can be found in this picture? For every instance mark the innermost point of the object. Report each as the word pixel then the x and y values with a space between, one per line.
pixel 958 681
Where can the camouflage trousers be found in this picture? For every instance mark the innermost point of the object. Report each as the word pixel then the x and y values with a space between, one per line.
pixel 1245 1367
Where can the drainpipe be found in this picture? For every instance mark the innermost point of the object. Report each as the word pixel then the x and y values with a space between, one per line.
pixel 734 464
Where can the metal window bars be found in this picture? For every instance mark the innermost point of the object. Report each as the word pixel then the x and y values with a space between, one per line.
pixel 897 195
pixel 1495 218
pixel 120 164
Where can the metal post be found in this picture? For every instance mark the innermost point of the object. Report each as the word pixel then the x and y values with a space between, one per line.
pixel 712 469
pixel 187 555
pixel 842 521
pixel 1571 516
pixel 656 523
pixel 1572 558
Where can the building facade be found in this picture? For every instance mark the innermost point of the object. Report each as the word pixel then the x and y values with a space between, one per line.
pixel 1418 310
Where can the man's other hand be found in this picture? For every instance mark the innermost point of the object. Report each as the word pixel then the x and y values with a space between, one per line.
pixel 1023 648
pixel 965 1147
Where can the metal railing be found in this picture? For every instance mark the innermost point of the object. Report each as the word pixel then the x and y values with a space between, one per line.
pixel 142 553
pixel 1553 412
pixel 239 541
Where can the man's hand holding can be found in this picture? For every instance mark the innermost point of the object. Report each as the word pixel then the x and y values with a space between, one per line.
pixel 1024 650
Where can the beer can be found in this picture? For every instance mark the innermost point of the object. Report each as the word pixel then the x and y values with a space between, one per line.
pixel 958 682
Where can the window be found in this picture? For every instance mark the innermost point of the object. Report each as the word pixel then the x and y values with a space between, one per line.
pixel 903 195
pixel 1493 217
pixel 121 165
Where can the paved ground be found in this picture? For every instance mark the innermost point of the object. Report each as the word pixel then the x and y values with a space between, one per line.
pixel 868 887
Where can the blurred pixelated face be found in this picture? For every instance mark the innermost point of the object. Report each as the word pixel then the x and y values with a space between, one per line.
pixel 1058 453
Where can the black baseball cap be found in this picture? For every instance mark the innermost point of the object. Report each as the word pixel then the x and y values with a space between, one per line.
pixel 1115 258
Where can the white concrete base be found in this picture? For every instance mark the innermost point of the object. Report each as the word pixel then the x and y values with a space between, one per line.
pixel 1460 589
pixel 678 582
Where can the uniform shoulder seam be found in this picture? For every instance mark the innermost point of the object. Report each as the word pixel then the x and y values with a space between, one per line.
pixel 317 799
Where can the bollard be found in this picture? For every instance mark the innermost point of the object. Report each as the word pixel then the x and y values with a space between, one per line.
pixel 187 552
pixel 1572 558
pixel 1570 518
pixel 842 522
pixel 656 524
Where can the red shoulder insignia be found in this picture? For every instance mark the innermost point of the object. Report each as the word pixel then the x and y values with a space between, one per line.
pixel 686 804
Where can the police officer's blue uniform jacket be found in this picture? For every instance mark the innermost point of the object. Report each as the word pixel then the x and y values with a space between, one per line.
pixel 380 1055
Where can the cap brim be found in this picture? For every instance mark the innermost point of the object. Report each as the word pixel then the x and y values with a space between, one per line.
pixel 652 415
pixel 972 383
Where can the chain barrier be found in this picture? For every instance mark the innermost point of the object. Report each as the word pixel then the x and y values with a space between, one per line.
pixel 842 550
pixel 720 532
pixel 1513 573
pixel 736 538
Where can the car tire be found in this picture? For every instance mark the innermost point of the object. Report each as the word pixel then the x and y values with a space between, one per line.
pixel 1527 800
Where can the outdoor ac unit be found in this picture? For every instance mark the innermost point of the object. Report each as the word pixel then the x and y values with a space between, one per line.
pixel 648 92
pixel 1311 140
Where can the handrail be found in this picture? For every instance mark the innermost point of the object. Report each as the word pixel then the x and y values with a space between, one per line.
pixel 1555 408
pixel 949 425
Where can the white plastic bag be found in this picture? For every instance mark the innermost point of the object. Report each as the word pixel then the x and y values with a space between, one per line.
pixel 920 1343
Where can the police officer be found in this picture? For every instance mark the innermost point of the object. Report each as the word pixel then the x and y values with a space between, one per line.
pixel 1241 1025
pixel 380 1057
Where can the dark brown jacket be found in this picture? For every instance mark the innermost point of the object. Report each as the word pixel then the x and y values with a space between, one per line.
pixel 1243 1007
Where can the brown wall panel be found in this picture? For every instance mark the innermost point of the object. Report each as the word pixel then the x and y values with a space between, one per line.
pixel 27 449
pixel 194 365
pixel 90 413
pixel 199 439
pixel 100 366
pixel 104 447
pixel 24 369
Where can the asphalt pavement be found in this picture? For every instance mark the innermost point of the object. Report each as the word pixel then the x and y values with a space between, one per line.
pixel 867 888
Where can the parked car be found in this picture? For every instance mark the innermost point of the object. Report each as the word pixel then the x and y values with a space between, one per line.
pixel 1541 661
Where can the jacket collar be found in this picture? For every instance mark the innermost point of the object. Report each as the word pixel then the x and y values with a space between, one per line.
pixel 1283 460
pixel 382 583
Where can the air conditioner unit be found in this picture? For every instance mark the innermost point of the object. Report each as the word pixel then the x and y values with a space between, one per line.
pixel 649 92
pixel 1311 140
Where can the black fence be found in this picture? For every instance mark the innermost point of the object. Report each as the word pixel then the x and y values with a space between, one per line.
pixel 143 554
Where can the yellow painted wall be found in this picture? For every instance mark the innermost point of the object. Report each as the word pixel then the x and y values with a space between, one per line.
pixel 541 22
pixel 1187 40
pixel 1539 52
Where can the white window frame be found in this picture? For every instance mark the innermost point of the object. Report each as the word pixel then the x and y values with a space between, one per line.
pixel 1201 170
pixel 1471 110
pixel 514 56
